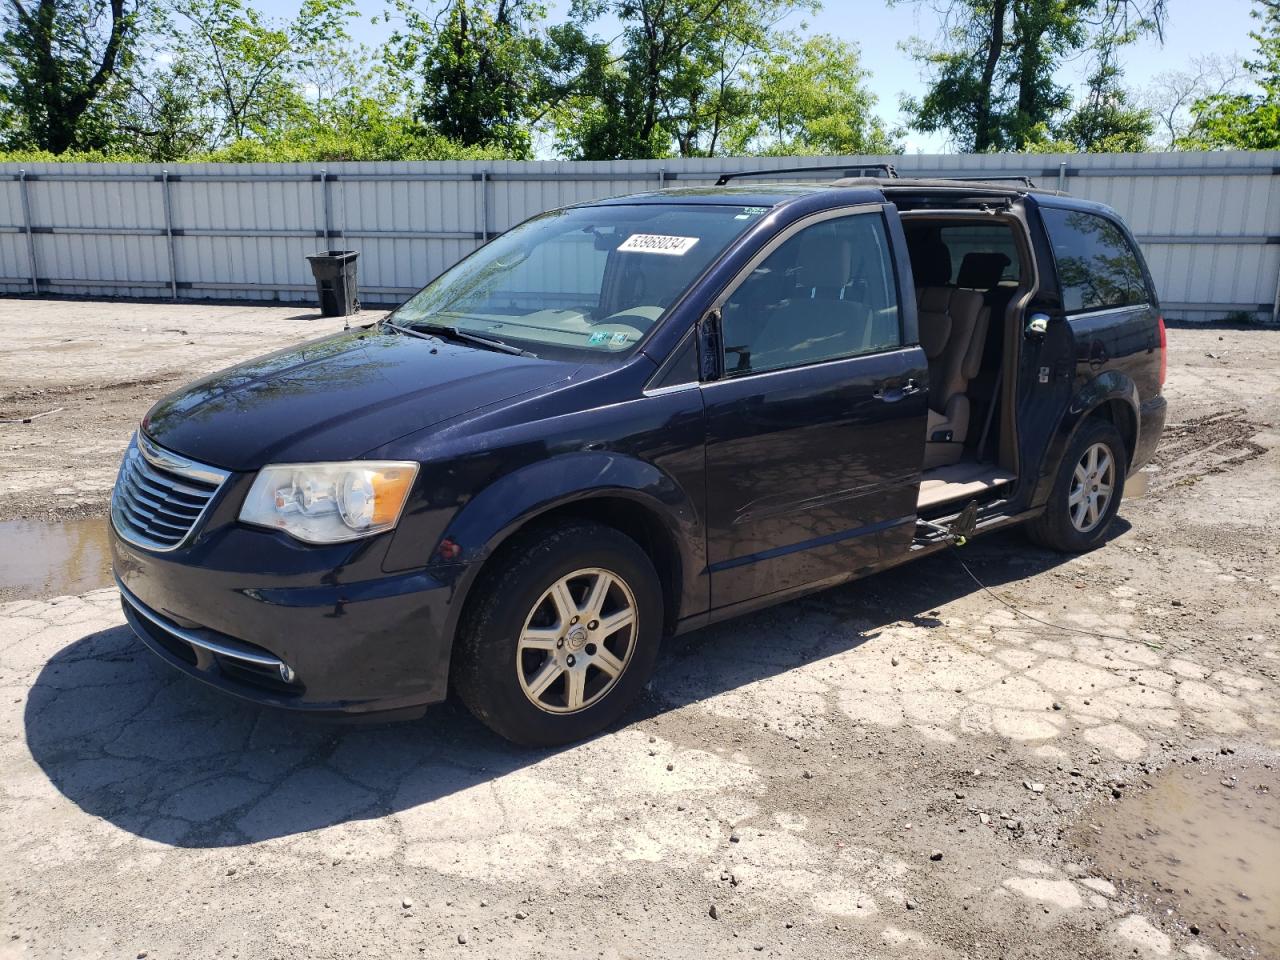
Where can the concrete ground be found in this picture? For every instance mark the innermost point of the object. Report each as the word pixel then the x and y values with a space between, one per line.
pixel 900 768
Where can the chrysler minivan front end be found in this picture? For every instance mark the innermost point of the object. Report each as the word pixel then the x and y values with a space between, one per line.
pixel 256 520
pixel 269 585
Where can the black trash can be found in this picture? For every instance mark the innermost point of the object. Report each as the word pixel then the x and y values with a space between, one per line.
pixel 335 273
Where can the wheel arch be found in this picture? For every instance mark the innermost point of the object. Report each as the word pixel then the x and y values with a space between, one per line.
pixel 628 515
pixel 1124 417
pixel 631 496
pixel 1111 396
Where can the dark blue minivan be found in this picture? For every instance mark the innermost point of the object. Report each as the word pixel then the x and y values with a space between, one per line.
pixel 630 418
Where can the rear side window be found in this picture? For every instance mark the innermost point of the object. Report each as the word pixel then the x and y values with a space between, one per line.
pixel 1097 267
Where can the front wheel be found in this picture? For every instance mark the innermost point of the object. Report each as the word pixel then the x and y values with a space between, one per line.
pixel 1087 492
pixel 563 635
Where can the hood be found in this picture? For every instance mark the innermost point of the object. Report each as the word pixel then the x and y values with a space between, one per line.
pixel 335 398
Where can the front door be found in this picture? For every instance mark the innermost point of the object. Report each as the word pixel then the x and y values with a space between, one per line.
pixel 816 422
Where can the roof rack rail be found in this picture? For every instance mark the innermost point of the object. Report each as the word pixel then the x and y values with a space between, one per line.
pixel 887 170
pixel 1013 177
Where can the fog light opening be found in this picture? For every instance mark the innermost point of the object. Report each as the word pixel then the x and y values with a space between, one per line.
pixel 286 673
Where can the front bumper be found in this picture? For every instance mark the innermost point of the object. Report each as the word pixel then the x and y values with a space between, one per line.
pixel 320 630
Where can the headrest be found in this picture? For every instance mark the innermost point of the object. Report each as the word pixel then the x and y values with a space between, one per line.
pixel 763 287
pixel 930 261
pixel 825 259
pixel 981 271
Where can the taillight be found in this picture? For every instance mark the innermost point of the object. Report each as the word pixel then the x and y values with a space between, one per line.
pixel 1164 350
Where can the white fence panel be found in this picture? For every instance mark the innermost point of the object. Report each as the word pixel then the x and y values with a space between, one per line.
pixel 1209 223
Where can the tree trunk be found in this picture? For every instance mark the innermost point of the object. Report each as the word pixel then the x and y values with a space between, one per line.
pixel 63 107
pixel 983 134
pixel 1031 57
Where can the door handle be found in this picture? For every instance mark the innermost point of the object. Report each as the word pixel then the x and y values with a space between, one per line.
pixel 909 388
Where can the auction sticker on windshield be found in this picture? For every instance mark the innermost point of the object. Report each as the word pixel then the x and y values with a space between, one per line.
pixel 658 243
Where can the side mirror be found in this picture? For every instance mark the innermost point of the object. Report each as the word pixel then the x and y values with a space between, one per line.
pixel 1038 325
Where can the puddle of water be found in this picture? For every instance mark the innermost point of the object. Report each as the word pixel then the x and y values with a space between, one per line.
pixel 53 559
pixel 1209 838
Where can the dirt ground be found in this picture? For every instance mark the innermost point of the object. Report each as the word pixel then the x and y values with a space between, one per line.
pixel 900 768
pixel 100 366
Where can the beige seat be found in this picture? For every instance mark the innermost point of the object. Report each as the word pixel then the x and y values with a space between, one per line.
pixel 954 358
pixel 953 329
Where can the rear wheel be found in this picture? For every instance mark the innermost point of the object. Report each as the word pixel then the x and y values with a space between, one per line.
pixel 563 635
pixel 1087 492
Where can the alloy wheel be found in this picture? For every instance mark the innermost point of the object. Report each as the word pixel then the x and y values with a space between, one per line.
pixel 1092 485
pixel 577 641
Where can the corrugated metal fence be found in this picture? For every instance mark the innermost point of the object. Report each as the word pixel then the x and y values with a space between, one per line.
pixel 1208 222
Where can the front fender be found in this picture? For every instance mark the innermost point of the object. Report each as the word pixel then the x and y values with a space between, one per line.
pixel 522 496
pixel 1108 386
pixel 508 504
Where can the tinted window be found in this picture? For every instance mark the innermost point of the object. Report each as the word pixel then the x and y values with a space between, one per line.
pixel 827 292
pixel 1096 266
pixel 589 280
pixel 681 366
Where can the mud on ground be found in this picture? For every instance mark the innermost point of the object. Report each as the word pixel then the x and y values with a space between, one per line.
pixel 899 768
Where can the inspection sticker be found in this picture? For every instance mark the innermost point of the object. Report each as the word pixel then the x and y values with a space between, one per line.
pixel 657 243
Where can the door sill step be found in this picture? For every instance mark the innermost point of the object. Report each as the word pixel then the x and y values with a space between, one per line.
pixel 959 481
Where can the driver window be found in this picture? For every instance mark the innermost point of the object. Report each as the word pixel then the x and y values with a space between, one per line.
pixel 826 293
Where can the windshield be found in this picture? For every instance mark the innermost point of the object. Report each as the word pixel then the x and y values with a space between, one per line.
pixel 590 280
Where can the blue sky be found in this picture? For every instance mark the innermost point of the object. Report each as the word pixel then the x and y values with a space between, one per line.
pixel 1196 27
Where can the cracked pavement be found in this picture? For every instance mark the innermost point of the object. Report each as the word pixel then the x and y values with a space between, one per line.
pixel 895 768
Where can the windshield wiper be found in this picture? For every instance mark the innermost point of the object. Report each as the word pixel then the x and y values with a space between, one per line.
pixel 427 330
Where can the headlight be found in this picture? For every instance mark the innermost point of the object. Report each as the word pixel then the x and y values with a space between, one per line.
pixel 329 502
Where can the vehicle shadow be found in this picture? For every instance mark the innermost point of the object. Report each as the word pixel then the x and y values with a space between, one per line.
pixel 133 742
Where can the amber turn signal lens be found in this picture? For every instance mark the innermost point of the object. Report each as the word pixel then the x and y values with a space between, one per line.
pixel 390 488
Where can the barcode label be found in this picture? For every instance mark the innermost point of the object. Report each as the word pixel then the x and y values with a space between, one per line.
pixel 657 243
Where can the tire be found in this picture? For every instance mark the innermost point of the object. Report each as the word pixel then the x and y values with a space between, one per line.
pixel 517 634
pixel 1069 524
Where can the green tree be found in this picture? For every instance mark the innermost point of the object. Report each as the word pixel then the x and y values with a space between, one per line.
pixel 992 75
pixel 165 116
pixel 597 117
pixel 809 97
pixel 1106 121
pixel 481 70
pixel 250 66
pixel 355 115
pixel 674 79
pixel 61 63
pixel 1248 121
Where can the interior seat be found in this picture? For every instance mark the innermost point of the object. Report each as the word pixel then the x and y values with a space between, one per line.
pixel 824 264
pixel 751 310
pixel 953 362
pixel 818 322
pixel 953 326
pixel 931 266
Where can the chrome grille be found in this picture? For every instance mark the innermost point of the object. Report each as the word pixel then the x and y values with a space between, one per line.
pixel 160 496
